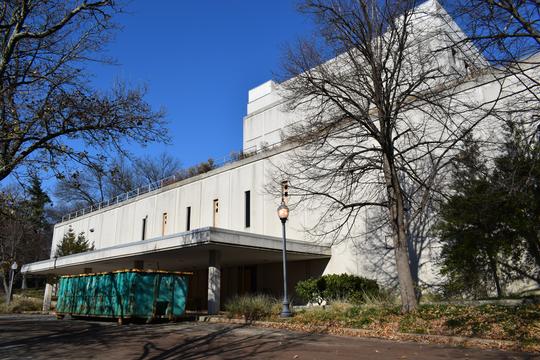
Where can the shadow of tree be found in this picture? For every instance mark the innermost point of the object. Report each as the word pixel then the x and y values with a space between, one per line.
pixel 26 337
pixel 227 342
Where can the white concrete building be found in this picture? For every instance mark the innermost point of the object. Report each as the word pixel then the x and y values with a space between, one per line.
pixel 222 225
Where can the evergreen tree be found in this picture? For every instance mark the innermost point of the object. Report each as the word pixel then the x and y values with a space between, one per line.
pixel 490 226
pixel 517 176
pixel 37 200
pixel 470 228
pixel 73 244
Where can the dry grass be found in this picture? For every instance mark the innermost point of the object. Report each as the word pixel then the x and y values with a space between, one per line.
pixel 21 304
pixel 520 324
pixel 253 307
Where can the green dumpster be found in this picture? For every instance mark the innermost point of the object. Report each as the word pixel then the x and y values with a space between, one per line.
pixel 124 294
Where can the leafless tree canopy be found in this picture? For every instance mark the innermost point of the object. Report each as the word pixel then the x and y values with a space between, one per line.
pixel 385 93
pixel 506 33
pixel 91 185
pixel 24 237
pixel 48 112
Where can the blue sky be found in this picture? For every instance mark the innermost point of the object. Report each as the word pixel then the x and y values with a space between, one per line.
pixel 199 59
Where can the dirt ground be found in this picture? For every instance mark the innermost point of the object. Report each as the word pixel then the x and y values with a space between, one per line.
pixel 44 337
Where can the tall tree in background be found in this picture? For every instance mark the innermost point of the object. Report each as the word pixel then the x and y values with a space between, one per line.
pixel 48 112
pixel 489 226
pixel 382 108
pixel 91 185
pixel 470 230
pixel 73 244
pixel 37 201
pixel 517 176
pixel 25 230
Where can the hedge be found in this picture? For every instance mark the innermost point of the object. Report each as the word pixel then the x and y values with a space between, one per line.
pixel 333 287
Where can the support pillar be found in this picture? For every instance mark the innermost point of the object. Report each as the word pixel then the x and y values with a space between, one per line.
pixel 24 285
pixel 214 282
pixel 47 298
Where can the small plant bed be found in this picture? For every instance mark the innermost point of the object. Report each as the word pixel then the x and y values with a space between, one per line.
pixel 490 326
pixel 21 303
pixel 520 324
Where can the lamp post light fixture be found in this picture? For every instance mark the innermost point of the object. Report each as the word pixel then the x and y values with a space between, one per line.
pixel 283 213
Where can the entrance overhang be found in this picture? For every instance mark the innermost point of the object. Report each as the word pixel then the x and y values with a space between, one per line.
pixel 183 251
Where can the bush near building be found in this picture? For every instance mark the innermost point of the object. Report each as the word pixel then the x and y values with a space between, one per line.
pixel 333 287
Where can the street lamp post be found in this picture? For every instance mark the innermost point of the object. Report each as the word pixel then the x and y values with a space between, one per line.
pixel 283 213
pixel 12 270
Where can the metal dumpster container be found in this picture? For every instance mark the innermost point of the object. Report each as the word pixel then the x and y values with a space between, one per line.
pixel 124 294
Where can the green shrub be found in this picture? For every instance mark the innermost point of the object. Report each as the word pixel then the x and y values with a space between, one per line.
pixel 309 291
pixel 252 307
pixel 337 287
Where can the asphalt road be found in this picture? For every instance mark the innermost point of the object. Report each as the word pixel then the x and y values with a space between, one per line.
pixel 44 337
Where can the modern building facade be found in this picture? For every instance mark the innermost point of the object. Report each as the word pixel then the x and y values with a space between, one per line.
pixel 221 225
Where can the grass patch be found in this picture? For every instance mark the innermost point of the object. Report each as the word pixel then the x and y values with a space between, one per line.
pixel 20 304
pixel 30 293
pixel 253 307
pixel 496 322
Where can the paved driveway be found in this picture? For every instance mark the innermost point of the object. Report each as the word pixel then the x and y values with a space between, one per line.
pixel 44 337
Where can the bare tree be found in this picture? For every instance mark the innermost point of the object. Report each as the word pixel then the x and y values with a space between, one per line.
pixel 13 232
pixel 48 112
pixel 93 184
pixel 507 34
pixel 153 169
pixel 24 230
pixel 83 187
pixel 382 93
pixel 505 31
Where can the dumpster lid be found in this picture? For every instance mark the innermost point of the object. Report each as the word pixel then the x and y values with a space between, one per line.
pixel 150 271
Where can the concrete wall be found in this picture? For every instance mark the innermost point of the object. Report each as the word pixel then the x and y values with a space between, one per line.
pixel 122 223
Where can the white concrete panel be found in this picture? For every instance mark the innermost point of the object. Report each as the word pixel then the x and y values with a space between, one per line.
pixel 165 203
pixel 126 227
pixel 110 223
pixel 190 195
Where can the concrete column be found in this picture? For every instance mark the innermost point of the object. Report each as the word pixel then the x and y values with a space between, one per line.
pixel 214 282
pixel 47 298
pixel 24 285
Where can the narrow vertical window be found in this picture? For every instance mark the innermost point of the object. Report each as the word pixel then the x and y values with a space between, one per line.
pixel 188 218
pixel 143 237
pixel 247 209
pixel 285 191
pixel 164 225
pixel 216 213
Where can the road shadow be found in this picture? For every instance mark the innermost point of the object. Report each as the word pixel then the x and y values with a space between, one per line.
pixel 38 338
pixel 227 343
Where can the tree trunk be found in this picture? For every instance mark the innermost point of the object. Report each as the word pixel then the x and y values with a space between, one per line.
pixel 399 227
pixel 6 286
pixel 414 262
pixel 493 267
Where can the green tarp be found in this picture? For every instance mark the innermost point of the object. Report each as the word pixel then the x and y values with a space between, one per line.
pixel 123 294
